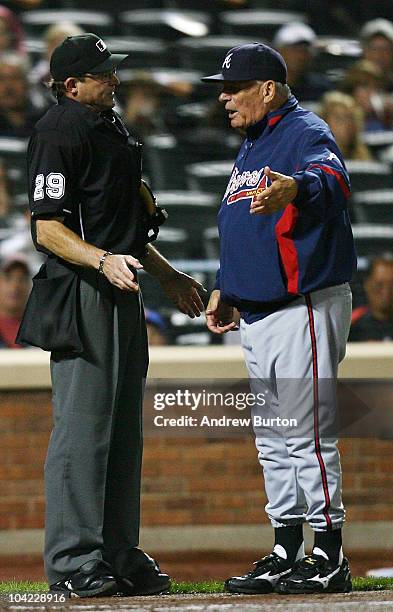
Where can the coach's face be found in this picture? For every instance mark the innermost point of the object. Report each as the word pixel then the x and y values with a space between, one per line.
pixel 94 90
pixel 246 102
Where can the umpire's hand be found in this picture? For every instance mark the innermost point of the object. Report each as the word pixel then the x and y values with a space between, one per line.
pixel 182 290
pixel 117 269
pixel 279 194
pixel 220 318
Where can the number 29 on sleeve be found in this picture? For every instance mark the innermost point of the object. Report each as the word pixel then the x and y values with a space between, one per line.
pixel 53 184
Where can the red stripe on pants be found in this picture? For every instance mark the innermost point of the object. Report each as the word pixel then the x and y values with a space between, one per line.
pixel 315 411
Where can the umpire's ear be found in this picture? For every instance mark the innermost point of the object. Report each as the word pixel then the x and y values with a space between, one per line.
pixel 71 85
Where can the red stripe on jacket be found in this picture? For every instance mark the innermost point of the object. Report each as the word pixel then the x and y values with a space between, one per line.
pixel 274 120
pixel 337 175
pixel 286 245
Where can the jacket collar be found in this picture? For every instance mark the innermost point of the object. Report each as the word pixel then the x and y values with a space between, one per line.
pixel 271 119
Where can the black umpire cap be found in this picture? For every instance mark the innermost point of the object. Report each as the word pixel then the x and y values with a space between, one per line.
pixel 251 62
pixel 78 55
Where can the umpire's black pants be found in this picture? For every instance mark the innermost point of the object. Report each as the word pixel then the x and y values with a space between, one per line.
pixel 93 465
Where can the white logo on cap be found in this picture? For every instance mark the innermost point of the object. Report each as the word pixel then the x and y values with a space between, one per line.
pixel 227 61
pixel 100 45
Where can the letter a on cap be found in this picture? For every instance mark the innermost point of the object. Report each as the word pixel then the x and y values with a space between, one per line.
pixel 100 45
pixel 227 61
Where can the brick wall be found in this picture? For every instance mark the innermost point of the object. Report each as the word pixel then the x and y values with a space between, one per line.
pixel 186 481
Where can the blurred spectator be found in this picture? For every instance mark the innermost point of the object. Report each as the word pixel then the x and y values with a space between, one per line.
pixel 18 115
pixel 142 107
pixel 374 321
pixel 295 42
pixel 12 37
pixel 377 39
pixel 22 5
pixel 365 83
pixel 345 119
pixel 5 197
pixel 156 328
pixel 150 101
pixel 53 36
pixel 20 241
pixel 15 285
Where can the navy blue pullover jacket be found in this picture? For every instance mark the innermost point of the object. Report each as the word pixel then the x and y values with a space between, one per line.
pixel 266 260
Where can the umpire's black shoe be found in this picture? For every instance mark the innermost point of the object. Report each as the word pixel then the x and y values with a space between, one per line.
pixel 263 578
pixel 92 579
pixel 146 579
pixel 315 574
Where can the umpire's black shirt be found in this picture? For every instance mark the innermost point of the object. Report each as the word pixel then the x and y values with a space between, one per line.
pixel 84 166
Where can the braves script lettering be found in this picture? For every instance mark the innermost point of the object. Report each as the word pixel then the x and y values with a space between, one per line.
pixel 255 180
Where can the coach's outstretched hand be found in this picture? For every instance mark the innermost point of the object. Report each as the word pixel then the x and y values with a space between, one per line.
pixel 279 194
pixel 182 290
pixel 220 318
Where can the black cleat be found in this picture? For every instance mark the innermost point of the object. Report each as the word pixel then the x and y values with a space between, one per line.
pixel 147 579
pixel 263 578
pixel 92 579
pixel 315 574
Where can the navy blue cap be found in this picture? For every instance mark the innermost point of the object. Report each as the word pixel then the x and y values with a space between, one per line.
pixel 77 55
pixel 251 62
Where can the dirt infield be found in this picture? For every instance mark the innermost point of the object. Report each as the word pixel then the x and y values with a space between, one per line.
pixel 192 567
pixel 222 603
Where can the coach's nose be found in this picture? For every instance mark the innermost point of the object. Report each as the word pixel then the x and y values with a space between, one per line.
pixel 224 97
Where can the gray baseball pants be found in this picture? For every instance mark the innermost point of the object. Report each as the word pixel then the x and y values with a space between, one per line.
pixel 293 354
pixel 92 469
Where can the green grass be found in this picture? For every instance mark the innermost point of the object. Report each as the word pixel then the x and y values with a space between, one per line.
pixel 197 587
pixel 372 584
pixel 359 584
pixel 16 586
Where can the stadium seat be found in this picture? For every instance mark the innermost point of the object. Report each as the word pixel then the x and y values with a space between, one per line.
pixel 144 52
pixel 334 55
pixel 35 48
pixel 193 212
pixel 173 242
pixel 206 143
pixel 386 155
pixel 161 74
pixel 372 240
pixel 36 21
pixel 167 24
pixel 165 158
pixel 212 242
pixel 257 24
pixel 374 207
pixel 206 54
pixel 209 176
pixel 378 142
pixel 163 162
pixel 367 175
